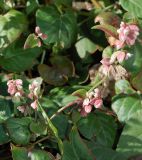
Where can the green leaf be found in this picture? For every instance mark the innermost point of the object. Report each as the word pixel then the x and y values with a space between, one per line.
pixel 4 138
pixel 12 24
pixel 18 59
pixel 134 63
pixel 31 6
pixel 31 41
pixel 107 52
pixel 76 149
pixel 6 109
pixel 58 121
pixel 126 106
pixel 18 130
pixel 19 153
pixel 100 125
pixel 130 142
pixel 85 46
pixel 104 153
pixel 53 128
pixel 37 154
pixel 38 127
pixel 58 26
pixel 133 6
pixel 123 86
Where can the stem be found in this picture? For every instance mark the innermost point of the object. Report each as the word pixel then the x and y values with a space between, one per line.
pixel 43 56
pixel 63 108
pixel 97 84
pixel 40 140
pixel 52 128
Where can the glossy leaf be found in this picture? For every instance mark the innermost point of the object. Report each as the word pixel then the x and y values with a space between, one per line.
pixel 19 153
pixel 40 155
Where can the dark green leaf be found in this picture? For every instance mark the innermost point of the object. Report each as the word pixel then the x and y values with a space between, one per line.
pixel 18 59
pixel 18 130
pixel 58 26
pixel 100 126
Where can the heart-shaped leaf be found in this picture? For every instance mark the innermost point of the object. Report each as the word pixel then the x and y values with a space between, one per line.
pixel 58 26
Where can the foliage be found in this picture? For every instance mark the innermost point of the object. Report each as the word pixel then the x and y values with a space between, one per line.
pixel 70 79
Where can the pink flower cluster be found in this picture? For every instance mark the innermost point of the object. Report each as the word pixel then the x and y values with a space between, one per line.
pixel 119 56
pixel 34 89
pixel 93 99
pixel 127 35
pixel 40 35
pixel 15 87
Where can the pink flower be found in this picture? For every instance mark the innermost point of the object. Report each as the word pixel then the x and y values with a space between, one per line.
pixel 98 103
pixel 121 56
pixel 106 65
pixel 34 105
pixel 40 34
pixel 34 90
pixel 88 108
pixel 15 87
pixel 21 109
pixel 127 35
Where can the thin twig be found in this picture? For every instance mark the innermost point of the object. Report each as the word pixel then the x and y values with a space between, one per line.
pixel 65 107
